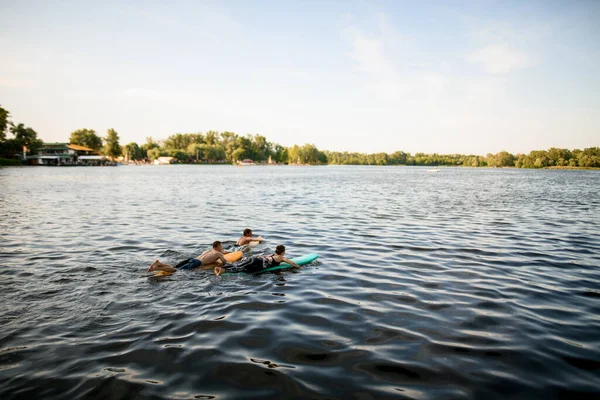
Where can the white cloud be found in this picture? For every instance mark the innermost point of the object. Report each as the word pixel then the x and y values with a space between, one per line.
pixel 499 59
pixel 384 60
pixel 164 95
pixel 200 20
pixel 368 52
pixel 16 83
pixel 431 104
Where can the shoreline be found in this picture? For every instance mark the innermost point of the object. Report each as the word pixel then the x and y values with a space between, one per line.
pixel 566 168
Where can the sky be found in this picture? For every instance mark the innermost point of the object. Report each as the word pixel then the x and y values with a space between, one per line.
pixel 469 77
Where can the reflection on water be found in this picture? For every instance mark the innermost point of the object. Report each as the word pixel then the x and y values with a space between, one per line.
pixel 468 283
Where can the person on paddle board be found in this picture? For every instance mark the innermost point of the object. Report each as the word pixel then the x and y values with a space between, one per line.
pixel 255 264
pixel 247 238
pixel 209 257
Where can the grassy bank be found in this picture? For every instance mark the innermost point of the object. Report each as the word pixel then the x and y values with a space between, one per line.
pixel 9 162
pixel 555 167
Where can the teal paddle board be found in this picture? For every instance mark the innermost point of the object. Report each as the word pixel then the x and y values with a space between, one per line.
pixel 306 259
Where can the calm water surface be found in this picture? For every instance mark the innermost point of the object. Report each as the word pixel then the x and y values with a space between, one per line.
pixel 467 283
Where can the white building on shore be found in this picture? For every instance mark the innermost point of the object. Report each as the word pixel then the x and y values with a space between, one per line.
pixel 163 160
pixel 66 154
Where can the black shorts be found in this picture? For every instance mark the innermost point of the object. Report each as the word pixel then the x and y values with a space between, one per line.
pixel 253 264
pixel 190 263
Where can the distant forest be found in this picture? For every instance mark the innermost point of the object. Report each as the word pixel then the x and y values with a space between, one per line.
pixel 228 147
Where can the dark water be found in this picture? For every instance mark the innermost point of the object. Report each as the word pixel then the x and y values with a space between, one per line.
pixel 468 283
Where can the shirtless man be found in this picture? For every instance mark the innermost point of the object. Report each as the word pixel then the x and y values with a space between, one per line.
pixel 206 260
pixel 247 238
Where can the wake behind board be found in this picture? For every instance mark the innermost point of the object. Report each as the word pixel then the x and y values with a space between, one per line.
pixel 255 243
pixel 248 246
pixel 303 260
pixel 231 257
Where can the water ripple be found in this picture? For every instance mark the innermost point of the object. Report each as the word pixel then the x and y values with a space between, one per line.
pixel 473 283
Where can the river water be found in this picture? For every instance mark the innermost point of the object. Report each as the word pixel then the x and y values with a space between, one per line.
pixel 467 283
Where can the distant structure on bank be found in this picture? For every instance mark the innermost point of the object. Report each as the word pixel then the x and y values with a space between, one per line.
pixel 248 162
pixel 164 160
pixel 66 154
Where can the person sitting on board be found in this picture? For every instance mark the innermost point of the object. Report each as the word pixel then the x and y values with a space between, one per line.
pixel 255 264
pixel 247 238
pixel 206 259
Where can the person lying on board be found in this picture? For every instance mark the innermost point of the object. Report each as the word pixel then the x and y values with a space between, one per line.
pixel 206 260
pixel 258 263
pixel 247 238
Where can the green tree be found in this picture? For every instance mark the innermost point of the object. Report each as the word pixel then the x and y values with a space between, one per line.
pixel 26 137
pixel 261 148
pixel 294 154
pixel 133 151
pixel 593 152
pixel 150 144
pixel 215 153
pixel 229 143
pixel 380 159
pixel 502 159
pixel 112 147
pixel 154 153
pixel 238 154
pixel 87 138
pixel 197 151
pixel 540 158
pixel 243 148
pixel 307 154
pixel 4 114
pixel 399 157
pixel 180 155
pixel 589 157
pixel 211 138
pixel 280 154
pixel 559 157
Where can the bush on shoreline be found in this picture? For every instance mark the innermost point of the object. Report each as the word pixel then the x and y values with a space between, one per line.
pixel 9 162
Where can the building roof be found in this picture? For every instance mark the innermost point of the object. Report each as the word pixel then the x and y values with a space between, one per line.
pixel 77 147
pixel 36 157
pixel 54 146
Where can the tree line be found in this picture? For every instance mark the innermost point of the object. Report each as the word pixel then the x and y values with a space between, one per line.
pixel 229 147
pixel 554 157
pixel 25 140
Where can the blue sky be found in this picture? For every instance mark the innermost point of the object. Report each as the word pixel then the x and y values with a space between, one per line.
pixel 367 76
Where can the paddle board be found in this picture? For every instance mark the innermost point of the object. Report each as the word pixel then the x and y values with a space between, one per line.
pixel 306 259
pixel 231 257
